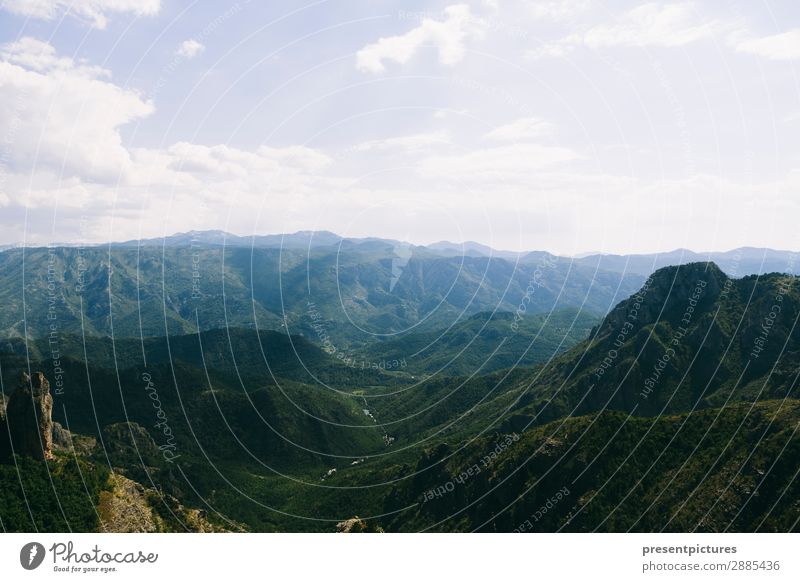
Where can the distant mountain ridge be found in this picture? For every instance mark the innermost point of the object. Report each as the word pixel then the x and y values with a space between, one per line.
pixel 736 262
pixel 350 293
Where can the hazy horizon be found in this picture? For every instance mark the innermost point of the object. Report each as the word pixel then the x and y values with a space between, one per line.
pixel 571 126
pixel 577 255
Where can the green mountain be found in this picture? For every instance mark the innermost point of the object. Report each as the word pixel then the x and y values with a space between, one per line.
pixel 483 343
pixel 691 338
pixel 731 469
pixel 350 295
pixel 677 412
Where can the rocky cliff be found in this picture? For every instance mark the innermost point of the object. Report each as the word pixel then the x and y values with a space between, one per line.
pixel 27 427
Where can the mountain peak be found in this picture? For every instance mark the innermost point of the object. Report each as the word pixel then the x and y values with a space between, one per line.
pixel 680 273
pixel 669 294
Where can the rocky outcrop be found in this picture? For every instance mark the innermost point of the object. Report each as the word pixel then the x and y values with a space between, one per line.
pixel 5 445
pixel 29 419
pixel 130 507
pixel 666 295
pixel 124 508
pixel 130 444
pixel 356 525
pixel 72 443
pixel 61 437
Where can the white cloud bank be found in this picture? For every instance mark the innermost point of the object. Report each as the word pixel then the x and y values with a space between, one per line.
pixel 654 24
pixel 411 143
pixel 503 164
pixel 62 115
pixel 95 12
pixel 448 36
pixel 778 47
pixel 62 122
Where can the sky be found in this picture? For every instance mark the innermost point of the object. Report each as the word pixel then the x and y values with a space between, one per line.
pixel 568 126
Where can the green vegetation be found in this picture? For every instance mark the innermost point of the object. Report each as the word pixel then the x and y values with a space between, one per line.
pixel 483 343
pixel 351 291
pixel 677 411
pixel 58 495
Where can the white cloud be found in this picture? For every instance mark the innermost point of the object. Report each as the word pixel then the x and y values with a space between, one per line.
pixel 780 47
pixel 190 48
pixel 36 55
pixel 94 11
pixel 648 25
pixel 557 10
pixel 448 36
pixel 63 148
pixel 40 56
pixel 521 129
pixel 654 24
pixel 502 164
pixel 60 112
pixel 557 49
pixel 223 161
pixel 414 142
pixel 62 115
pixel 445 113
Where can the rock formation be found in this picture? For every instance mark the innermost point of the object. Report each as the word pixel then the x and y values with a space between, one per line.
pixel 5 445
pixel 356 525
pixel 130 507
pixel 29 418
pixel 62 439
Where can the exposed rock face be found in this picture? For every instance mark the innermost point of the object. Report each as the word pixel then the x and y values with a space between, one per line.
pixel 69 442
pixel 5 445
pixel 129 444
pixel 356 525
pixel 130 507
pixel 124 509
pixel 61 437
pixel 131 450
pixel 29 415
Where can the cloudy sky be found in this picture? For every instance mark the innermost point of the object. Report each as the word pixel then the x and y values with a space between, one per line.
pixel 567 126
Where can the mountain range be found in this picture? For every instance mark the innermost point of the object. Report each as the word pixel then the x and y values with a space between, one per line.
pixel 673 409
pixel 369 293
pixel 351 292
pixel 736 262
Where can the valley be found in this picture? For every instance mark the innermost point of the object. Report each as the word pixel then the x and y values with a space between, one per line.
pixel 672 408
